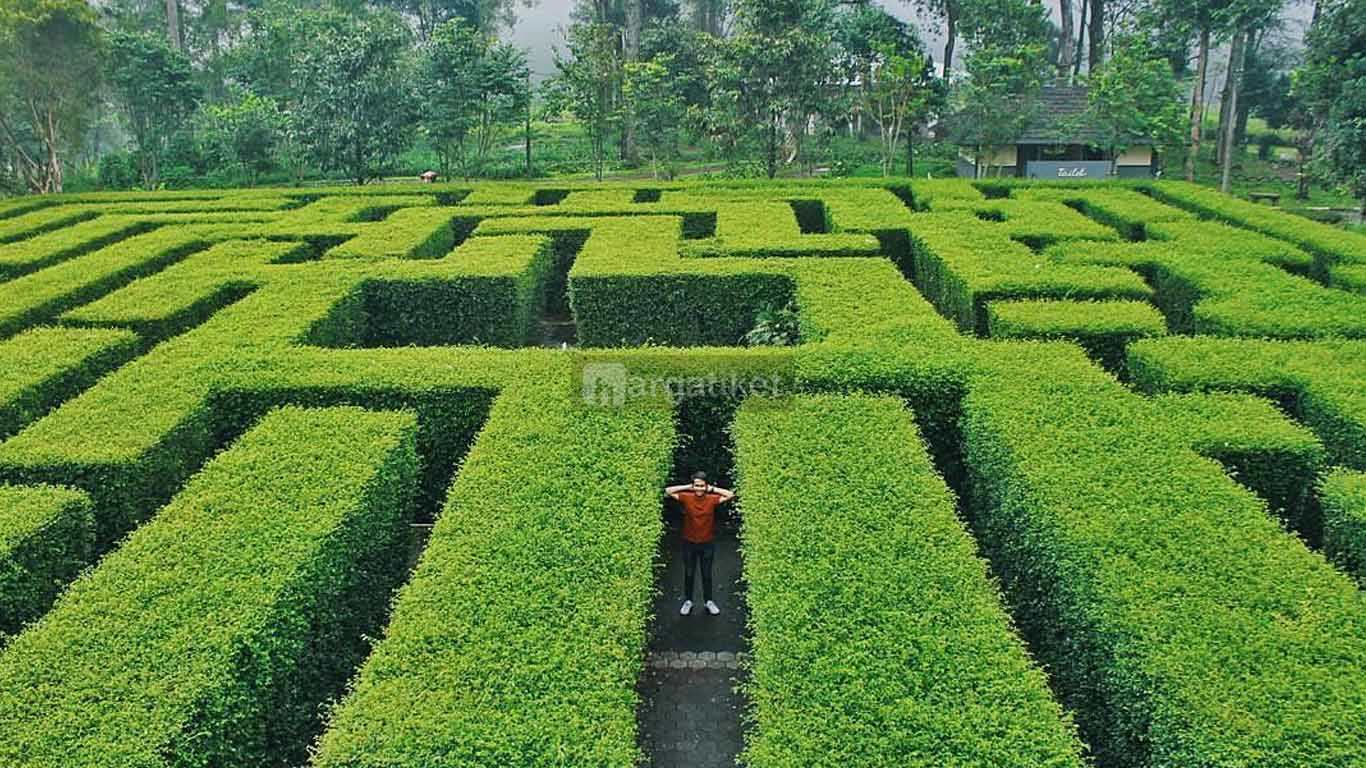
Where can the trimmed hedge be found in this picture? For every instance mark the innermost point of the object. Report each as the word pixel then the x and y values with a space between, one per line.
pixel 1319 382
pixel 1330 245
pixel 520 637
pixel 1258 445
pixel 41 295
pixel 881 639
pixel 187 293
pixel 1179 621
pixel 47 535
pixel 1343 496
pixel 1035 223
pixel 1102 328
pixel 411 233
pixel 961 263
pixel 1216 280
pixel 211 636
pixel 45 219
pixel 1126 210
pixel 42 367
pixel 68 242
pixel 489 291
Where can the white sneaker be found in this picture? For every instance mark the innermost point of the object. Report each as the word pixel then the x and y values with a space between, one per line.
pixel 687 608
pixel 712 609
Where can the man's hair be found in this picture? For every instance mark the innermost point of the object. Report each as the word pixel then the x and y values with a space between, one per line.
pixel 700 476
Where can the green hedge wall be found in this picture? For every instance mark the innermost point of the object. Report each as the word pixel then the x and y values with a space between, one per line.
pixel 520 637
pixel 42 367
pixel 1179 621
pixel 47 535
pixel 212 635
pixel 1102 328
pixel 877 636
pixel 1343 495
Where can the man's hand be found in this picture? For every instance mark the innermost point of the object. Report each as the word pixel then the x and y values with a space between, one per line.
pixel 726 494
pixel 673 490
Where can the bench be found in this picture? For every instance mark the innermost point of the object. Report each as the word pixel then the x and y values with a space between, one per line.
pixel 1273 197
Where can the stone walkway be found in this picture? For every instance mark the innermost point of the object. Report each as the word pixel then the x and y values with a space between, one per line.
pixel 690 712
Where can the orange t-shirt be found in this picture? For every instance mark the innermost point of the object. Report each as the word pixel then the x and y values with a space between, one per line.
pixel 699 516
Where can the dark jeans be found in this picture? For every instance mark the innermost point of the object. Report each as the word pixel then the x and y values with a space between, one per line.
pixel 692 555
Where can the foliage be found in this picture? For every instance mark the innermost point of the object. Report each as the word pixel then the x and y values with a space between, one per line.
pixel 774 327
pixel 1006 68
pixel 588 84
pixel 51 68
pixel 157 91
pixel 1333 85
pixel 355 103
pixel 244 134
pixel 1134 98
pixel 657 108
pixel 471 89
pixel 893 567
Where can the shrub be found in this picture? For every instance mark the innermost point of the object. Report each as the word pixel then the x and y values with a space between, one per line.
pixel 47 535
pixel 41 367
pixel 1102 328
pixel 519 639
pixel 1180 622
pixel 881 639
pixel 1343 496
pixel 246 600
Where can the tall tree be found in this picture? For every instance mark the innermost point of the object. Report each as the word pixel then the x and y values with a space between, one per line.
pixel 173 32
pixel 588 82
pixel 157 92
pixel 1096 55
pixel 472 88
pixel 51 56
pixel 355 106
pixel 786 57
pixel 657 107
pixel 1065 41
pixel 1332 85
pixel 949 12
pixel 1006 63
pixel 487 16
pixel 1134 99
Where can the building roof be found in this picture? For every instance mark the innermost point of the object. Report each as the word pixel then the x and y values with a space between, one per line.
pixel 1059 120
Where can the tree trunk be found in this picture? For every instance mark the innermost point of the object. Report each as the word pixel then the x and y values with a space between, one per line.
pixel 1224 96
pixel 173 23
pixel 772 145
pixel 1235 76
pixel 1097 54
pixel 1197 99
pixel 1251 52
pixel 950 35
pixel 1065 43
pixel 1081 39
pixel 632 50
pixel 910 154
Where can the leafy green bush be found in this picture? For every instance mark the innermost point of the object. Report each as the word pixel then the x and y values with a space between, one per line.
pixel 520 637
pixel 41 367
pixel 47 535
pixel 1180 623
pixel 774 327
pixel 1343 495
pixel 877 635
pixel 247 599
pixel 1102 328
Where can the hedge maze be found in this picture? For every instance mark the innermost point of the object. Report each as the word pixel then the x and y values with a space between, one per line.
pixel 1054 475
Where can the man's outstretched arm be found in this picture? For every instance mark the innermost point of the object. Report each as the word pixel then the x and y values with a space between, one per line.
pixel 674 490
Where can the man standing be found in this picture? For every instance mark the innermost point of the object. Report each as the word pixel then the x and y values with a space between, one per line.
pixel 699 501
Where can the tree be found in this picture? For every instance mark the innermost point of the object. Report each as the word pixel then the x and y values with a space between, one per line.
pixel 895 79
pixel 657 108
pixel 949 11
pixel 486 16
pixel 51 56
pixel 1332 86
pixel 157 91
pixel 1134 98
pixel 243 133
pixel 472 89
pixel 1006 68
pixel 355 108
pixel 1065 41
pixel 784 49
pixel 589 83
